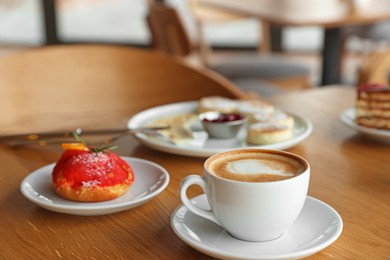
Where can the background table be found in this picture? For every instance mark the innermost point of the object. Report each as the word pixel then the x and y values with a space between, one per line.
pixel 349 172
pixel 333 23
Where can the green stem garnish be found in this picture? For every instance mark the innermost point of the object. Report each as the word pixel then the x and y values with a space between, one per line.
pixel 78 138
pixel 96 150
pixel 104 148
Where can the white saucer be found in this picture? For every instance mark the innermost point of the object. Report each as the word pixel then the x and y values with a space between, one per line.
pixel 318 226
pixel 149 180
pixel 348 118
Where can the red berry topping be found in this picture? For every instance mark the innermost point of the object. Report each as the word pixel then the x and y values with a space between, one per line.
pixel 223 118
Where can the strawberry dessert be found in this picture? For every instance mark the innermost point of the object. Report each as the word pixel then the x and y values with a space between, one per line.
pixel 90 174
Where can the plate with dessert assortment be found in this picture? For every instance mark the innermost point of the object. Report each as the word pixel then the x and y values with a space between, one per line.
pixel 50 191
pixel 216 124
pixel 348 116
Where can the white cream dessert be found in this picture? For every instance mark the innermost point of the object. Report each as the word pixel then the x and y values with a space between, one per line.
pixel 251 108
pixel 277 127
pixel 276 117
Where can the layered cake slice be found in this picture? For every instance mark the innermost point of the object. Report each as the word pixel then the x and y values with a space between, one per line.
pixel 373 106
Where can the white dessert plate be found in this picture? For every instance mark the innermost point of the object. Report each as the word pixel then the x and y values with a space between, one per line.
pixel 302 129
pixel 317 227
pixel 149 180
pixel 348 117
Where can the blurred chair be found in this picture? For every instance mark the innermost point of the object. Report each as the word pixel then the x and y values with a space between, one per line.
pixel 376 34
pixel 63 85
pixel 169 36
pixel 204 14
pixel 369 38
pixel 376 68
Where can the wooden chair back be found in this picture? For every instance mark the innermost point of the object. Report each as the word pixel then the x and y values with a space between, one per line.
pixel 169 36
pixel 60 85
pixel 205 14
pixel 168 33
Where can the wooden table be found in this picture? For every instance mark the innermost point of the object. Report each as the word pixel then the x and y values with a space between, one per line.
pixel 349 172
pixel 333 22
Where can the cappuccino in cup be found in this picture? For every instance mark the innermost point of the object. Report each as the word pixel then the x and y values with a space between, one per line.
pixel 254 194
pixel 254 166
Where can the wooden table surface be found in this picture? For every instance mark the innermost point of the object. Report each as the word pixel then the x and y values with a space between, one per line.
pixel 349 172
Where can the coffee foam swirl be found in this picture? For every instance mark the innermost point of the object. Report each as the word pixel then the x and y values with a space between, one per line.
pixel 255 167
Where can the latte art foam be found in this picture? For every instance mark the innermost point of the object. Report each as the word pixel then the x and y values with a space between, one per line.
pixel 255 166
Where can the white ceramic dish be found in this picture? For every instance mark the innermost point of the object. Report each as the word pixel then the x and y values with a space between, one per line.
pixel 348 117
pixel 317 227
pixel 149 180
pixel 302 129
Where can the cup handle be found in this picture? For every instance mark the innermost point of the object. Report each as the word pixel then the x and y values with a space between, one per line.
pixel 184 185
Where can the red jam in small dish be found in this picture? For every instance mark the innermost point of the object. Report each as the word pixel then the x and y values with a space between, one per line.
pixel 223 118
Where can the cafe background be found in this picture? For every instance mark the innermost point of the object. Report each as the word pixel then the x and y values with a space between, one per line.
pixel 349 171
pixel 123 22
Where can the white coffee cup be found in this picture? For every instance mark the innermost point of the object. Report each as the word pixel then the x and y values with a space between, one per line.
pixel 251 211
